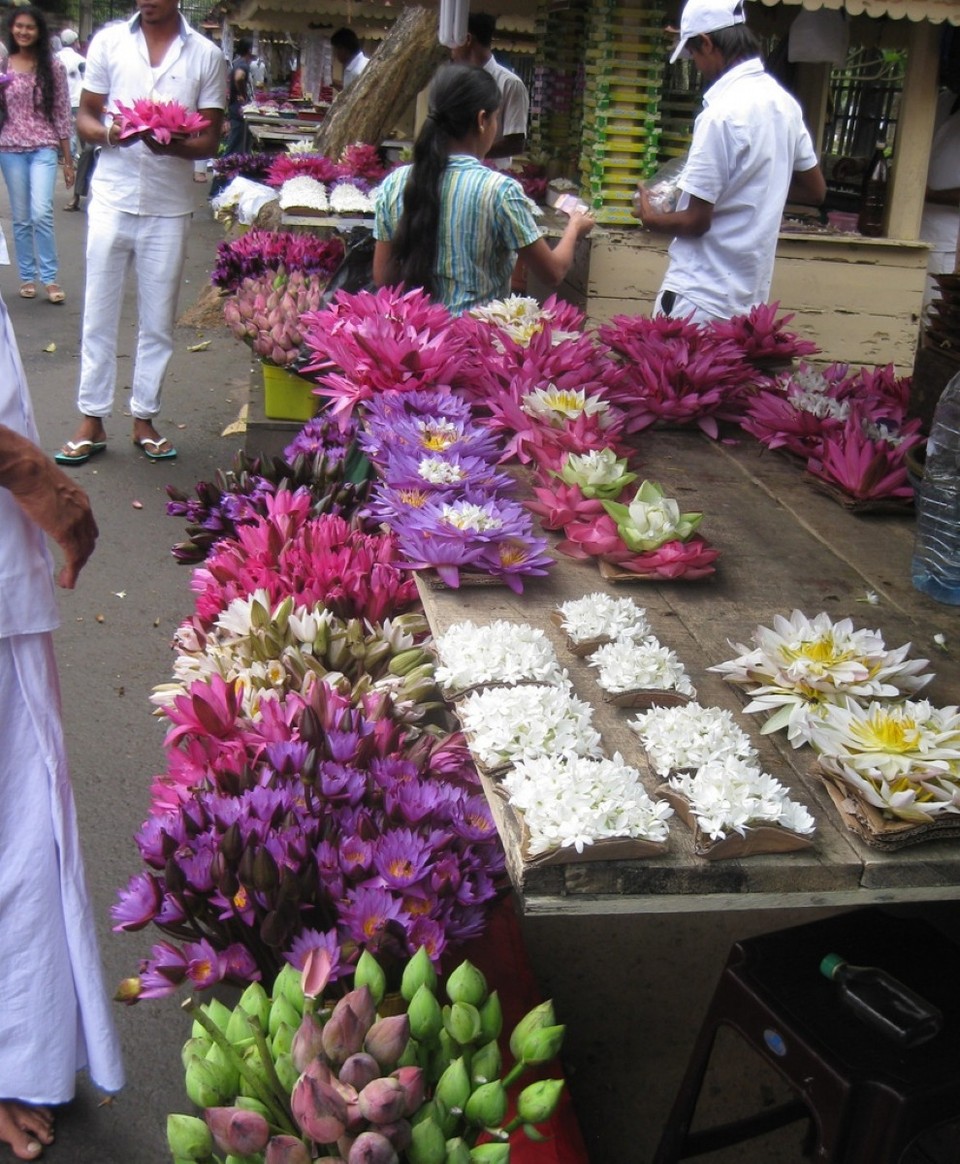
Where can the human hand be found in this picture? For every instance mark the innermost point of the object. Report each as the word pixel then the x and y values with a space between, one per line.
pixel 69 174
pixel 641 204
pixel 582 221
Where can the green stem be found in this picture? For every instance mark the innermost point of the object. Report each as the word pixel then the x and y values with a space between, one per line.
pixel 272 1103
pixel 514 1073
pixel 267 1059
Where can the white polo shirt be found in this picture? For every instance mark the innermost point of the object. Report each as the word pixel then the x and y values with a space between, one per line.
pixel 747 143
pixel 194 72
pixel 514 106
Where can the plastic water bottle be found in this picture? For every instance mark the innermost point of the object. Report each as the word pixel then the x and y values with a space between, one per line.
pixel 883 1002
pixel 936 555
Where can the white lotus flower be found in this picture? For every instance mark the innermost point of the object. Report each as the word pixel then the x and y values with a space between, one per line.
pixel 556 406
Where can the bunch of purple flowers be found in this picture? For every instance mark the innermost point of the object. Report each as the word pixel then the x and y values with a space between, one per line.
pixel 260 251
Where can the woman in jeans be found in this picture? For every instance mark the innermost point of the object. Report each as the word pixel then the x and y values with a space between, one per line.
pixel 34 124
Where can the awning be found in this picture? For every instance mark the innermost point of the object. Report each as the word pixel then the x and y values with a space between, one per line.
pixel 936 11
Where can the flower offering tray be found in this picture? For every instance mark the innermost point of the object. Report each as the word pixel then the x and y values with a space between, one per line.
pixel 580 648
pixel 868 822
pixel 645 698
pixel 610 572
pixel 880 505
pixel 758 840
pixel 467 579
pixel 604 849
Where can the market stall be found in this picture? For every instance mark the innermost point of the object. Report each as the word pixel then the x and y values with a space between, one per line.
pixel 783 546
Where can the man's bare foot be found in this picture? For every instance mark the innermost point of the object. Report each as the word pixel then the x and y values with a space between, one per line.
pixel 153 445
pixel 25 1128
pixel 89 438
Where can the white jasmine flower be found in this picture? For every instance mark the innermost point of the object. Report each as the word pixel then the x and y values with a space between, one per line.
pixel 304 191
pixel 941 641
pixel 599 616
pixel 470 516
pixel 871 598
pixel 438 471
pixel 501 652
pixel 570 801
pixel 346 198
pixel 509 724
pixel 687 737
pixel 640 665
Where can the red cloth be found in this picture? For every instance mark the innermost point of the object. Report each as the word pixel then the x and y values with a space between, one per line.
pixel 502 958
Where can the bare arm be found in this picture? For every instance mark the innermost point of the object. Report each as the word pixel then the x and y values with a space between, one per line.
pixel 49 498
pixel 384 269
pixel 550 264
pixel 506 147
pixel 808 187
pixel 91 129
pixel 694 220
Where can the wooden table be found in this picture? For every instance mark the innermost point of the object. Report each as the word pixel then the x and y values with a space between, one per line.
pixel 784 546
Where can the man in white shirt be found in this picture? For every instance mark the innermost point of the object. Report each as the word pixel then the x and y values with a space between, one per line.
pixel 750 152
pixel 140 208
pixel 74 63
pixel 515 106
pixel 352 58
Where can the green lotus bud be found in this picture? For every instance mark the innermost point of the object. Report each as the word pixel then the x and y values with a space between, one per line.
pixel 369 973
pixel 226 1068
pixel 218 1014
pixel 189 1138
pixel 467 984
pixel 247 1103
pixel 487 1063
pixel 254 1066
pixel 541 1016
pixel 232 1159
pixel 447 1049
pixel 203 1080
pixel 194 1049
pixel 462 1022
pixel 538 1101
pixel 256 1002
pixel 282 1041
pixel 287 985
pixel 410 1056
pixel 453 1086
pixel 427 1143
pixel 238 1028
pixel 419 971
pixel 542 1045
pixel 487 1105
pixel 491 1018
pixel 458 1152
pixel 426 1018
pixel 286 1071
pixel 282 1012
pixel 490 1154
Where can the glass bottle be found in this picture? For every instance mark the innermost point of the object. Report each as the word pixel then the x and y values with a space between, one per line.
pixel 935 568
pixel 873 195
pixel 883 1002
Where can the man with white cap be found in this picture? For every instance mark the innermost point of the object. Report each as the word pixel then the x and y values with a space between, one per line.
pixel 750 152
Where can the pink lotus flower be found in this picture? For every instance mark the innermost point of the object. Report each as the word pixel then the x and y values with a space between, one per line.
pixel 162 120
pixel 559 505
pixel 868 469
pixel 762 337
pixel 285 166
pixel 691 559
pixel 592 538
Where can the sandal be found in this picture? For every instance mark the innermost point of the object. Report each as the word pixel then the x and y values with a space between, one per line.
pixel 54 293
pixel 155 450
pixel 28 290
pixel 78 452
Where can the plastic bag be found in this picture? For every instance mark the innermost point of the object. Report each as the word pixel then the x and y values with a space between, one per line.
pixel 355 272
pixel 663 189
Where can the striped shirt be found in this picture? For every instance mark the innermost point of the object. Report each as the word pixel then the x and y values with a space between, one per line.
pixel 485 218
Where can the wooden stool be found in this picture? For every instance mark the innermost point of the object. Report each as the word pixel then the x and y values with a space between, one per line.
pixel 866 1098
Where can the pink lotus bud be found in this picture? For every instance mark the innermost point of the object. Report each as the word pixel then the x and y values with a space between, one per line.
pixel 399 1133
pixel 372 1148
pixel 307 1042
pixel 387 1039
pixel 287 1150
pixel 383 1100
pixel 280 357
pixel 414 1085
pixel 355 1121
pixel 236 1131
pixel 319 1111
pixel 363 1006
pixel 359 1069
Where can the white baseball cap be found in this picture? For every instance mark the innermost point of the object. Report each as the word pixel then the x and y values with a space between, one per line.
pixel 700 16
pixel 68 37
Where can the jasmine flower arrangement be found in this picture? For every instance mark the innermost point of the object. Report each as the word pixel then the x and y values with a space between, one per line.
pixel 349 198
pixel 304 191
pixel 640 665
pixel 601 616
pixel 685 738
pixel 505 725
pixel 501 652
pixel 571 801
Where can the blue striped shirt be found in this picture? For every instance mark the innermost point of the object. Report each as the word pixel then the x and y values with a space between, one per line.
pixel 485 218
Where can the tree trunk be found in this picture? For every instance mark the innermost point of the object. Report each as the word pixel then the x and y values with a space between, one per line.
pixel 398 70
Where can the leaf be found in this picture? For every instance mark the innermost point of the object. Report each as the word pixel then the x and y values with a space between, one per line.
pixel 51 347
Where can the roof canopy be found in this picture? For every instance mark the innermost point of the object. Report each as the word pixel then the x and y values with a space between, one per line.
pixel 936 11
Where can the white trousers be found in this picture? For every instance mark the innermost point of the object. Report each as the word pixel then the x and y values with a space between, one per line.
pixel 54 1014
pixel 683 308
pixel 156 248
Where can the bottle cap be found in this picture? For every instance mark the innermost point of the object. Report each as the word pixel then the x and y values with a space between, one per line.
pixel 828 967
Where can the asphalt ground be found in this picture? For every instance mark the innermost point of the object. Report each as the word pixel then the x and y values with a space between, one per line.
pixel 631 989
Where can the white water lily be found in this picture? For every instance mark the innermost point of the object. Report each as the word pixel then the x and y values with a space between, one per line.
pixel 599 615
pixel 690 736
pixel 438 433
pixel 521 723
pixel 501 652
pixel 651 519
pixel 640 664
pixel 520 316
pixel 569 801
pixel 800 664
pixel 555 405
pixel 597 473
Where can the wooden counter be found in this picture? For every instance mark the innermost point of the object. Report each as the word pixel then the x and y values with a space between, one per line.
pixel 784 546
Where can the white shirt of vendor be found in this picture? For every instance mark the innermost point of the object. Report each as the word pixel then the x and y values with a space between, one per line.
pixel 131 178
pixel 941 223
pixel 354 68
pixel 514 107
pixel 747 143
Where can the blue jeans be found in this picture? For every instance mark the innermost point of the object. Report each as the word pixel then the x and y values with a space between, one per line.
pixel 30 179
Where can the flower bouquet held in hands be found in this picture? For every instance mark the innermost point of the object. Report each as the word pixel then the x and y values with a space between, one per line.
pixel 161 120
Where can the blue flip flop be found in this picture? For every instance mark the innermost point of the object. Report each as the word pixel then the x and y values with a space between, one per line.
pixel 78 452
pixel 152 450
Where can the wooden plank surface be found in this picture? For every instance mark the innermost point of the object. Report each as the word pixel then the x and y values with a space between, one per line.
pixel 784 546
